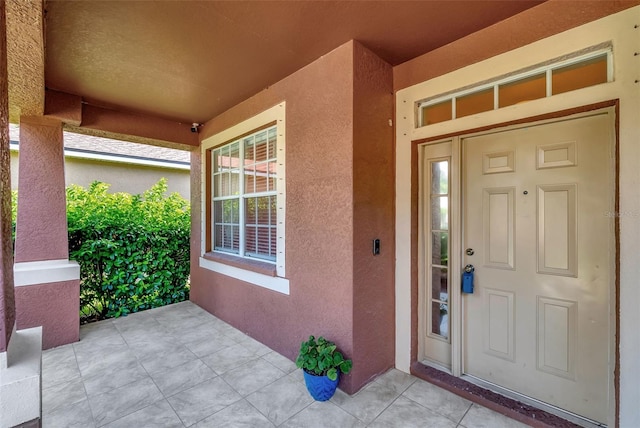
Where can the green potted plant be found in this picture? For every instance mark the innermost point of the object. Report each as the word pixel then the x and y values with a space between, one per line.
pixel 322 364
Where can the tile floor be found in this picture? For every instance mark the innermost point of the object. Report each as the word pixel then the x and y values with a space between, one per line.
pixel 179 366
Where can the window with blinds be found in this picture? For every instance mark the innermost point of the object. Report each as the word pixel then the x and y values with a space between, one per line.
pixel 244 182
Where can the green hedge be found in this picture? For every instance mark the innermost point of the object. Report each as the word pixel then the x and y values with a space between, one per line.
pixel 133 250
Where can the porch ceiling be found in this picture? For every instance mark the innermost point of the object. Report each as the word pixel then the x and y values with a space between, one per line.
pixel 190 61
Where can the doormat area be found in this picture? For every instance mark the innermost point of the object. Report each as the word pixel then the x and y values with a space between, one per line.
pixel 499 403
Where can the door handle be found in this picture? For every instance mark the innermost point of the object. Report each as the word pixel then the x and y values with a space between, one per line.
pixel 469 268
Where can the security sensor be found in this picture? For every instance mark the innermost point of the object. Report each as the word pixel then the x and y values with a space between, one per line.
pixel 195 126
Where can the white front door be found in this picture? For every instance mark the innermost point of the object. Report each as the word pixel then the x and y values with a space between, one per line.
pixel 538 204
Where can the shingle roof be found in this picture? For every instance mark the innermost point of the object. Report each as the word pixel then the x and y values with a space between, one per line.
pixel 106 146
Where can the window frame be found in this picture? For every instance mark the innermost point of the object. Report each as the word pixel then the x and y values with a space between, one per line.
pixel 255 270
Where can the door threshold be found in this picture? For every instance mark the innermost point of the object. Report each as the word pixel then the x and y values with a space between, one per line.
pixel 564 414
pixel 510 407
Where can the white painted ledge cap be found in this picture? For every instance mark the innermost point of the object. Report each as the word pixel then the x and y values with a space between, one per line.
pixel 44 272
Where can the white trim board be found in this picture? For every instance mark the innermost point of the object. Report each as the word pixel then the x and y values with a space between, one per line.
pixel 45 272
pixel 275 283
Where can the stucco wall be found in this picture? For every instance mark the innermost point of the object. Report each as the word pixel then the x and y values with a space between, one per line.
pixel 623 31
pixel 122 177
pixel 373 190
pixel 547 19
pixel 41 229
pixel 325 271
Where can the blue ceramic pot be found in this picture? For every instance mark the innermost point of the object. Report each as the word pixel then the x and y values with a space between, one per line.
pixel 321 388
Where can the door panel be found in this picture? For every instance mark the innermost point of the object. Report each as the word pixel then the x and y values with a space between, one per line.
pixel 557 223
pixel 498 227
pixel 499 324
pixel 535 212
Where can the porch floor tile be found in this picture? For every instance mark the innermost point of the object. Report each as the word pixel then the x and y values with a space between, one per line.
pixel 179 366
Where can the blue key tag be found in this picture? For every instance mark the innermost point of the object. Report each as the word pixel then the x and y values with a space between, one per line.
pixel 467 280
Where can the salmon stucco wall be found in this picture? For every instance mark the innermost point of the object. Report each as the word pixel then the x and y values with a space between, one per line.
pixel 321 218
pixel 544 20
pixel 41 229
pixel 373 194
pixel 34 308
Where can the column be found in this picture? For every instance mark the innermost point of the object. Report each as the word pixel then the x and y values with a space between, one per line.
pixel 7 302
pixel 20 351
pixel 47 284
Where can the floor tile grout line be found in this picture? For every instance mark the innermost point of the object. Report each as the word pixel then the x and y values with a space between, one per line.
pixel 297 413
pixel 86 393
pixel 465 414
pixel 178 414
pixel 258 410
pixel 436 411
pixel 383 410
pixel 214 413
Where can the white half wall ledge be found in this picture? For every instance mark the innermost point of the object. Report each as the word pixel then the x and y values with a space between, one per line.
pixel 20 378
pixel 44 272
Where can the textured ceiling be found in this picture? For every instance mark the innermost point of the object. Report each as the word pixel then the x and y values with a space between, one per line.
pixel 191 60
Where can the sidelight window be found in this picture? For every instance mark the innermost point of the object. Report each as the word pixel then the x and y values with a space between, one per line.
pixel 438 263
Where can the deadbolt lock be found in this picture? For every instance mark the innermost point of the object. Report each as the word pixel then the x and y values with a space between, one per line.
pixel 470 252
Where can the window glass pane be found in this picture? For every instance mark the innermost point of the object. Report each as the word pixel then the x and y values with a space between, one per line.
pixel 231 211
pixel 261 146
pixel 226 211
pixel 226 225
pixel 223 158
pixel 234 155
pixel 249 149
pixel 217 185
pixel 215 154
pixel 530 88
pixel 272 176
pixel 272 143
pixel 261 177
pixel 439 213
pixel 439 284
pixel 580 75
pixel 251 240
pixel 476 102
pixel 436 113
pixel 220 160
pixel 229 238
pixel 249 180
pixel 440 248
pixel 234 183
pixel 440 177
pixel 440 319
pixel 260 227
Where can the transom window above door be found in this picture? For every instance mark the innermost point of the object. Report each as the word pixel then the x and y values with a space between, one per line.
pixel 541 81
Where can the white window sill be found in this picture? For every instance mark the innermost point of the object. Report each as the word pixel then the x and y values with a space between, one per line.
pixel 274 283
